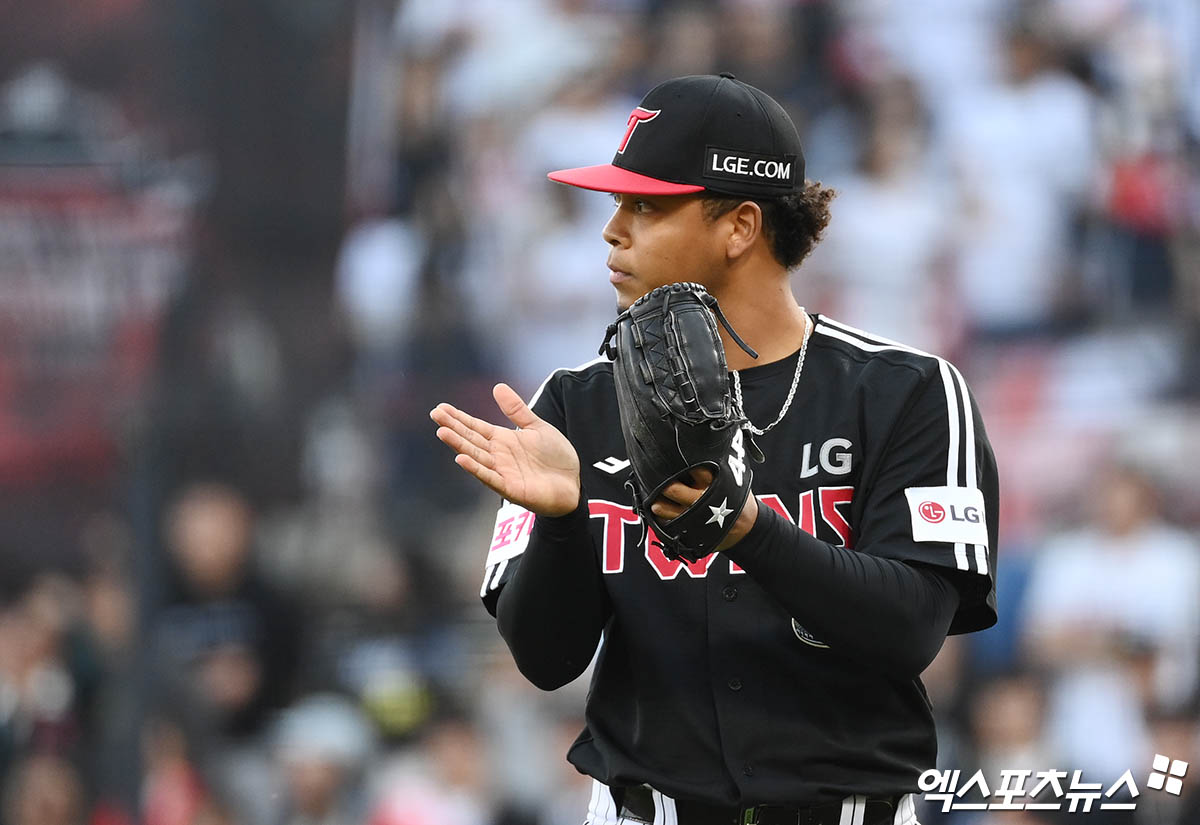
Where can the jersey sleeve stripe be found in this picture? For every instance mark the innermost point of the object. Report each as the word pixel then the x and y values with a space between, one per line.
pixel 952 416
pixel 952 475
pixel 969 429
pixel 960 556
pixel 981 559
pixel 491 578
pixel 960 452
pixel 972 481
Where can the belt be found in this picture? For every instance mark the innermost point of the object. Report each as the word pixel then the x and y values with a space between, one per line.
pixel 637 803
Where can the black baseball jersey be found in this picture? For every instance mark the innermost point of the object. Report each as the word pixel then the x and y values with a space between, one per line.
pixel 705 687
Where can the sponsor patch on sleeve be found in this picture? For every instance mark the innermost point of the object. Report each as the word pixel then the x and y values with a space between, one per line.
pixel 951 514
pixel 511 534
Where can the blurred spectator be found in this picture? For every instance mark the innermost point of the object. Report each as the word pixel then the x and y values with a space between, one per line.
pixel 553 305
pixel 1142 137
pixel 375 611
pixel 951 47
pixel 559 309
pixel 523 742
pixel 570 790
pixel 322 745
pixel 688 39
pixel 173 791
pixel 1006 724
pixel 886 246
pixel 226 642
pixel 1022 156
pixel 49 674
pixel 1113 615
pixel 445 785
pixel 378 286
pixel 1176 735
pixel 45 790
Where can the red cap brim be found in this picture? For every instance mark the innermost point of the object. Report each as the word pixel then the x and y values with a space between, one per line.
pixel 609 178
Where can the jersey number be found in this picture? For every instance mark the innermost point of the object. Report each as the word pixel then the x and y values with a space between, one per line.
pixel 737 459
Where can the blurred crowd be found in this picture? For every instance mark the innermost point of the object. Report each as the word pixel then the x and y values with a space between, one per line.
pixel 246 246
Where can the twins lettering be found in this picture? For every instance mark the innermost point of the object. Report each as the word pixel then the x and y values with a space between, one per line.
pixel 831 503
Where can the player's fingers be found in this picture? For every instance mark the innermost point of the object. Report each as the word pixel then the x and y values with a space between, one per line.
pixel 701 478
pixel 473 436
pixel 486 475
pixel 665 509
pixel 443 413
pixel 679 493
pixel 511 405
pixel 462 446
pixel 469 421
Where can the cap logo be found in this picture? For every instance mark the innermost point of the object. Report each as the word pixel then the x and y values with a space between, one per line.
pixel 750 167
pixel 638 115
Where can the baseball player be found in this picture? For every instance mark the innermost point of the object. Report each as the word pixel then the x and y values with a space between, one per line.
pixel 777 679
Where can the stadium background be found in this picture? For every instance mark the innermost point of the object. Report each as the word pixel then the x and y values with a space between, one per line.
pixel 245 245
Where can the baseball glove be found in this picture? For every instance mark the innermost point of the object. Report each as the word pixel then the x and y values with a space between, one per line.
pixel 678 413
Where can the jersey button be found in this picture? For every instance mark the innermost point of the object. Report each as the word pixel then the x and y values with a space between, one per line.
pixel 730 593
pixel 735 684
pixel 748 769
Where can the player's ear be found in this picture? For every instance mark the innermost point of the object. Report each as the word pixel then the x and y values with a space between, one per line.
pixel 746 224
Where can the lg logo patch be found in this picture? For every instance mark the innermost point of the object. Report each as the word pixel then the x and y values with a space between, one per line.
pixel 947 514
pixel 932 512
pixel 935 513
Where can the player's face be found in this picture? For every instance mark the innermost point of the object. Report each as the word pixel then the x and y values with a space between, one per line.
pixel 656 240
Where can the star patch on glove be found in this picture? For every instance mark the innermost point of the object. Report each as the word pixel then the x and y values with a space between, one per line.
pixel 678 413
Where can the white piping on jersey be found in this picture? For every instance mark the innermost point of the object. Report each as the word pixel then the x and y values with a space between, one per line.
pixel 664 809
pixel 957 404
pixel 847 817
pixel 578 368
pixel 969 437
pixel 601 810
pixel 906 812
pixel 960 549
pixel 492 577
pixel 854 808
pixel 591 809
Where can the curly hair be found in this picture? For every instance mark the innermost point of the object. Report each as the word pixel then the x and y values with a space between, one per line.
pixel 792 224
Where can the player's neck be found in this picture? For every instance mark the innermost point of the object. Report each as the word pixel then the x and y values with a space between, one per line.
pixel 768 318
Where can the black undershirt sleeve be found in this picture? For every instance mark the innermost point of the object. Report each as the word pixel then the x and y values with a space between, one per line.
pixel 890 615
pixel 554 607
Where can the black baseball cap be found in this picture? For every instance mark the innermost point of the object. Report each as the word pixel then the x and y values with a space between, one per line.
pixel 701 133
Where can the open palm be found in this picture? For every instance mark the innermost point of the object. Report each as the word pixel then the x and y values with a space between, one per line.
pixel 534 465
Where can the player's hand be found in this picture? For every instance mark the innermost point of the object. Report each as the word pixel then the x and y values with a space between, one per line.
pixel 681 494
pixel 533 466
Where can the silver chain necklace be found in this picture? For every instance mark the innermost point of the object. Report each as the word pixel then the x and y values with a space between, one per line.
pixel 737 383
